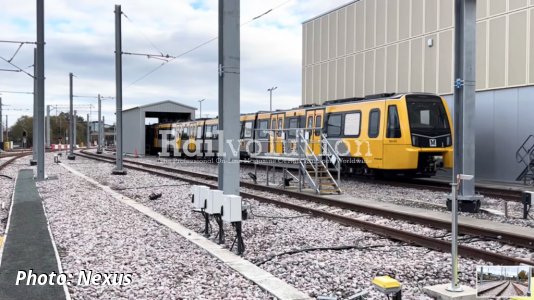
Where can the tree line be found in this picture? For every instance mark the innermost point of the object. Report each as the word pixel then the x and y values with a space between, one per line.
pixel 59 128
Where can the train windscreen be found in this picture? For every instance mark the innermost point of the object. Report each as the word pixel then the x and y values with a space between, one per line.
pixel 427 115
pixel 429 124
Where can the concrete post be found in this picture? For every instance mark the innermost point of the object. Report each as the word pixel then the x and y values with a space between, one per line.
pixel 229 80
pixel 464 98
pixel 119 170
pixel 71 121
pixel 40 74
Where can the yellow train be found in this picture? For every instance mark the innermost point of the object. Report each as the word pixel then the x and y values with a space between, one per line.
pixel 387 133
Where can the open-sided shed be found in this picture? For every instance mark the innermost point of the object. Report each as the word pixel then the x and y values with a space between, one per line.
pixel 134 128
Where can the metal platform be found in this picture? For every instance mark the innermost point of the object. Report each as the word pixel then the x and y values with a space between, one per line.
pixel 28 245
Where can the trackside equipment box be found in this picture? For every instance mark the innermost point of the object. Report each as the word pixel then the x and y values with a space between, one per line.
pixel 231 210
pixel 200 196
pixel 215 202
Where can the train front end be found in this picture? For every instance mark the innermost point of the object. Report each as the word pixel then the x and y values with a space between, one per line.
pixel 430 127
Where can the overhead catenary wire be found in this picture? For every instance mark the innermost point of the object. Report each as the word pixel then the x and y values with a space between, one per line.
pixel 203 44
pixel 17 67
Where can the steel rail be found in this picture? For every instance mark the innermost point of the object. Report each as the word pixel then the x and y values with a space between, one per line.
pixel 392 233
pixel 501 236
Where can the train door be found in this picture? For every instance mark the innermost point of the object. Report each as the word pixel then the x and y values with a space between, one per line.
pixel 375 134
pixel 192 136
pixel 277 138
pixel 314 126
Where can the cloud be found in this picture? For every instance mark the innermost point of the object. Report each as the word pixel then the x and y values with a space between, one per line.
pixel 80 39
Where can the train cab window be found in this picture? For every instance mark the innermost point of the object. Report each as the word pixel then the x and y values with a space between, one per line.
pixel 199 132
pixel 185 133
pixel 374 123
pixel 247 133
pixel 319 125
pixel 280 127
pixel 263 128
pixel 333 126
pixel 352 124
pixel 394 130
pixel 273 124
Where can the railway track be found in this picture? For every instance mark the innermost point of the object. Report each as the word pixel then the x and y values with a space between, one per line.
pixel 12 158
pixel 505 194
pixel 392 233
pixel 503 288
pixel 509 238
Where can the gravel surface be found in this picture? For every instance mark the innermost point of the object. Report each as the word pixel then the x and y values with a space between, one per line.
pixel 272 231
pixel 6 188
pixel 427 199
pixel 95 232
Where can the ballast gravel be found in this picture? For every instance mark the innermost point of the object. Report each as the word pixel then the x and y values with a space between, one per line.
pixel 411 197
pixel 317 265
pixel 95 232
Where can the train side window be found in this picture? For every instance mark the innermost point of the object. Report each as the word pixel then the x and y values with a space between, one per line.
pixel 215 130
pixel 248 129
pixel 333 126
pixel 199 132
pixel 319 125
pixel 374 123
pixel 263 129
pixel 209 133
pixel 280 127
pixel 352 124
pixel 310 122
pixel 394 130
pixel 293 124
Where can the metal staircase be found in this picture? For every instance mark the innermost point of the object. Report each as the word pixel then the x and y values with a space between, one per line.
pixel 525 156
pixel 314 169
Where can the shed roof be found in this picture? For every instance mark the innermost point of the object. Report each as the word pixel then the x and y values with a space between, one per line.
pixel 161 102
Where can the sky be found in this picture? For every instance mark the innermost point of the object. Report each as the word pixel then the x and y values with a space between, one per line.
pixel 79 38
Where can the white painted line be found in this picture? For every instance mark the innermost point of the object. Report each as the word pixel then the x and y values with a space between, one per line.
pixel 262 278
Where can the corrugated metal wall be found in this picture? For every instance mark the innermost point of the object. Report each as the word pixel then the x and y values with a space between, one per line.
pixel 131 134
pixel 374 46
pixel 503 122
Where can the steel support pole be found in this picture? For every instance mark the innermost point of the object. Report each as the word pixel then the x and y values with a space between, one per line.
pixel 1 127
pixel 40 74
pixel 33 161
pixel 88 132
pixel 229 81
pixel 7 129
pixel 48 138
pixel 464 96
pixel 119 170
pixel 75 129
pixel 454 243
pixel 103 142
pixel 71 120
pixel 99 142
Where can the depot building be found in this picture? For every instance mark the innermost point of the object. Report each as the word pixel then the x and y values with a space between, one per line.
pixel 376 46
